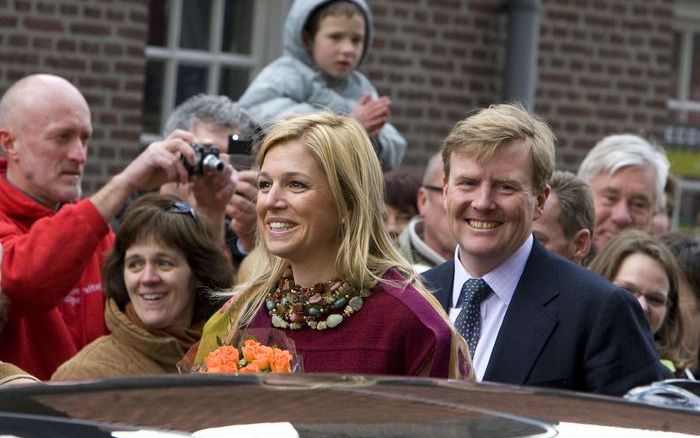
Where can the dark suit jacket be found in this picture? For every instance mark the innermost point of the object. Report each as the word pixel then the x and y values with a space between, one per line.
pixel 565 327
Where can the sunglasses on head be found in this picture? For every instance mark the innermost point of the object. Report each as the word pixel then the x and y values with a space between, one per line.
pixel 180 207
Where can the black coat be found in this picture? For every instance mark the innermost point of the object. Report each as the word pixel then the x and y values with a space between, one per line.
pixel 566 327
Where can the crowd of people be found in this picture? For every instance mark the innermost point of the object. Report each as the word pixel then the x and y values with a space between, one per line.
pixel 494 266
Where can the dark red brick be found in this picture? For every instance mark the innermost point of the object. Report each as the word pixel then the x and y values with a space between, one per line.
pixel 68 10
pixel 89 29
pixel 40 24
pixel 92 12
pixel 8 21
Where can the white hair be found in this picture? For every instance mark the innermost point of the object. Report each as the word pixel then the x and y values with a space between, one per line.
pixel 614 152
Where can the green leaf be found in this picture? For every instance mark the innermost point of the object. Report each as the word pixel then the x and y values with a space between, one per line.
pixel 219 342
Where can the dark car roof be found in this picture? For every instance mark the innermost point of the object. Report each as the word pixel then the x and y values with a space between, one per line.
pixel 336 405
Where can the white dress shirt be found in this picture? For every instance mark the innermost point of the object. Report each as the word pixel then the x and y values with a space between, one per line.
pixel 502 280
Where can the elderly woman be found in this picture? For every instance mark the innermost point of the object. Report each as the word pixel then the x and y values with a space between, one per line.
pixel 332 279
pixel 640 263
pixel 156 280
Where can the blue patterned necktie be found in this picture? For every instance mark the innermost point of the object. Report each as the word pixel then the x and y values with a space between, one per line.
pixel 468 322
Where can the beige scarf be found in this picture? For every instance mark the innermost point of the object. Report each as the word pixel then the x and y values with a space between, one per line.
pixel 186 336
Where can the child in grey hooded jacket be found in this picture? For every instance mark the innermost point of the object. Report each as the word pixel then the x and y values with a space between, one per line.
pixel 324 43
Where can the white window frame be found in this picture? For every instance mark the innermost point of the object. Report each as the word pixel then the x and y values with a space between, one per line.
pixel 687 13
pixel 266 38
pixel 684 186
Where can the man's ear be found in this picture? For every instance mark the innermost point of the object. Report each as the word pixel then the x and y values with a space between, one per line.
pixel 582 245
pixel 445 189
pixel 540 200
pixel 7 143
pixel 421 200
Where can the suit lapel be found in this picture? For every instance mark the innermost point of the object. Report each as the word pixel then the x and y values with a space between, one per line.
pixel 439 281
pixel 527 324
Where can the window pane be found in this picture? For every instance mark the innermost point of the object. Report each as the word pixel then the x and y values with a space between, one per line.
pixel 695 72
pixel 194 31
pixel 190 81
pixel 233 82
pixel 238 22
pixel 158 14
pixel 153 97
pixel 689 211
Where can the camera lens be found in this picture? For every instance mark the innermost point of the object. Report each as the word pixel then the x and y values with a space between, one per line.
pixel 212 164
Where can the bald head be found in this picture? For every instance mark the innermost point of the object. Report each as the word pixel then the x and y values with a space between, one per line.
pixel 433 174
pixel 435 231
pixel 36 92
pixel 44 131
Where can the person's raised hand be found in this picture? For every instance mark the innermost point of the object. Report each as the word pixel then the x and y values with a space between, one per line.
pixel 241 208
pixel 372 113
pixel 161 162
pixel 212 191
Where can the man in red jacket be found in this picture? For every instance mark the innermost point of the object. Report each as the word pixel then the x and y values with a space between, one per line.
pixel 54 241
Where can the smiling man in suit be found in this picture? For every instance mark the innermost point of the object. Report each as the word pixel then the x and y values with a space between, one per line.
pixel 529 316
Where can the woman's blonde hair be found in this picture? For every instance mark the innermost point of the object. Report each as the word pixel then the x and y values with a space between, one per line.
pixel 343 150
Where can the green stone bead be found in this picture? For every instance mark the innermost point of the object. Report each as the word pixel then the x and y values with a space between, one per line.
pixel 334 320
pixel 313 311
pixel 279 322
pixel 356 303
pixel 340 302
pixel 270 304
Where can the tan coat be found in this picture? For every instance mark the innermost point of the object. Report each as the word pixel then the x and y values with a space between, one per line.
pixel 129 350
pixel 11 374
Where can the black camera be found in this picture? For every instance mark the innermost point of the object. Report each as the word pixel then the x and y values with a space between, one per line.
pixel 240 152
pixel 206 160
pixel 238 146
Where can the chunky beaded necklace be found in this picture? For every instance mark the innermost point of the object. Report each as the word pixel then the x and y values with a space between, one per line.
pixel 322 306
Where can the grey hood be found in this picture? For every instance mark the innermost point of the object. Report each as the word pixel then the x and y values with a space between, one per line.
pixel 293 84
pixel 301 10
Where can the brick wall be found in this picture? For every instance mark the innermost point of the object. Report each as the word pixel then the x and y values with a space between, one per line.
pixel 436 59
pixel 604 67
pixel 98 45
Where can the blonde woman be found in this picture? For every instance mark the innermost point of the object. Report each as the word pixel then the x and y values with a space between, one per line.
pixel 328 274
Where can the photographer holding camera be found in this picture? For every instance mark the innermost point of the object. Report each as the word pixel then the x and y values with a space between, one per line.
pixel 219 125
pixel 54 242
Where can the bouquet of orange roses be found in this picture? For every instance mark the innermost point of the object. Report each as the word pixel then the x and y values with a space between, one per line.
pixel 252 356
pixel 256 358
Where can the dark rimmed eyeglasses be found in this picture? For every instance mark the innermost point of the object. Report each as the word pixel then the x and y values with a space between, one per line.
pixel 180 207
pixel 432 188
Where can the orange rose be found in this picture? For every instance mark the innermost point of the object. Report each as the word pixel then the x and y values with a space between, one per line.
pixel 253 350
pixel 281 361
pixel 222 360
pixel 250 368
pixel 263 363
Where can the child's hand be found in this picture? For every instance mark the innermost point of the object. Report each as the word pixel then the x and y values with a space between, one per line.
pixel 372 113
